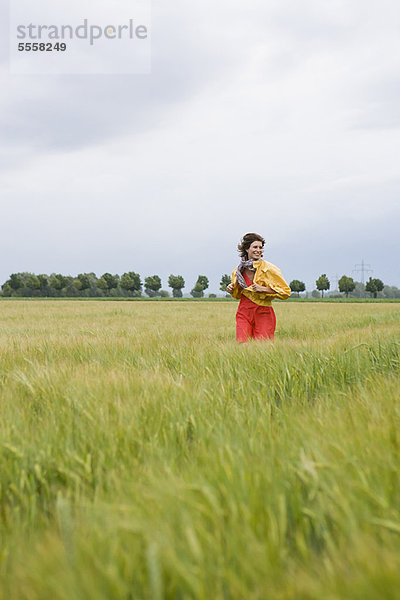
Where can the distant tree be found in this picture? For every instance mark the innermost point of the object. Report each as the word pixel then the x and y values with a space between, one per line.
pixel 15 285
pixel 85 285
pixel 69 289
pixel 374 286
pixel 200 286
pixel 108 282
pixel 64 279
pixel 102 284
pixel 111 280
pixel 316 294
pixel 176 282
pixel 164 294
pixel 203 281
pixel 322 283
pixel 132 283
pixel 389 291
pixel 212 295
pixel 152 285
pixel 55 282
pixel 6 290
pixel 359 290
pixel 297 286
pixel 197 291
pixel 225 281
pixel 346 284
pixel 84 280
pixel 16 281
pixel 93 291
pixel 43 284
pixel 32 283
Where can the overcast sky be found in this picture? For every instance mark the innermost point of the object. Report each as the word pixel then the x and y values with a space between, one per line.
pixel 280 117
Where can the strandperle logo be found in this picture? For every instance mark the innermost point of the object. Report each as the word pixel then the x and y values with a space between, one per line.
pixel 85 31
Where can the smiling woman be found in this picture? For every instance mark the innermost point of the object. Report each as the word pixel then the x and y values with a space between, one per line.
pixel 256 283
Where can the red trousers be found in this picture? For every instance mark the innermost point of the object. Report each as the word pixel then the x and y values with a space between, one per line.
pixel 254 321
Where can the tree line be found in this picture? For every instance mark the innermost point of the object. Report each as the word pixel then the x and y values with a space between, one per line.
pixel 130 285
pixel 89 285
pixel 346 285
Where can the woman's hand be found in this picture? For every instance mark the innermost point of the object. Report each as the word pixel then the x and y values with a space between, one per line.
pixel 256 287
pixel 229 288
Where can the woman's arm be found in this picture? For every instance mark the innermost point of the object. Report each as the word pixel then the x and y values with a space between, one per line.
pixel 276 283
pixel 233 288
pixel 256 287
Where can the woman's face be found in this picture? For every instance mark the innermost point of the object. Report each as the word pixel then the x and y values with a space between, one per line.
pixel 255 251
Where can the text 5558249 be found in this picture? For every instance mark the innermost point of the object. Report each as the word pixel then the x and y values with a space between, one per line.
pixel 41 47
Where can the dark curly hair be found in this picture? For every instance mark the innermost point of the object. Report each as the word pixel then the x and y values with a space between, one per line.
pixel 246 242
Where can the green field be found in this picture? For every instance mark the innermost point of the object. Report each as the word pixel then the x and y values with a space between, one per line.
pixel 146 455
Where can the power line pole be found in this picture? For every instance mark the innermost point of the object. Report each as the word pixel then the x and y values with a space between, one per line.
pixel 362 268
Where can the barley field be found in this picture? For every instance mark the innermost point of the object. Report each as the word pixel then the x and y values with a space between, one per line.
pixel 146 455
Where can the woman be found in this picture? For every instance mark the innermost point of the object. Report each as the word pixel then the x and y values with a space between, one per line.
pixel 256 283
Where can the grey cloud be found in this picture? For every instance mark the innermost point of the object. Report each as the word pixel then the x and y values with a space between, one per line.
pixel 307 23
pixel 58 113
pixel 381 106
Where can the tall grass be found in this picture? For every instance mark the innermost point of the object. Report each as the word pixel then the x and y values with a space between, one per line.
pixel 144 454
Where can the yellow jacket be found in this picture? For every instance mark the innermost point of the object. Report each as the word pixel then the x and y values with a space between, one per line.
pixel 266 274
